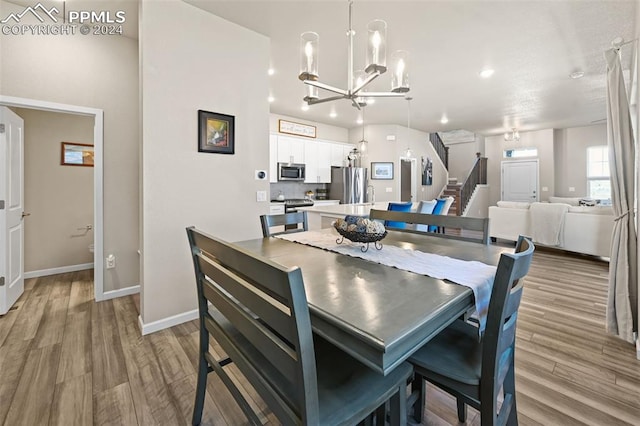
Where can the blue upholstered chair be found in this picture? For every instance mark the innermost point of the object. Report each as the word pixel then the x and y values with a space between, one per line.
pixel 397 207
pixel 425 207
pixel 442 207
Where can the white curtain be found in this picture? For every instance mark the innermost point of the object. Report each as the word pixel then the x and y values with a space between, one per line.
pixel 622 304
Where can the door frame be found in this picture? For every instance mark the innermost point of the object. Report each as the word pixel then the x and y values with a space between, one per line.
pixel 98 174
pixel 414 179
pixel 532 160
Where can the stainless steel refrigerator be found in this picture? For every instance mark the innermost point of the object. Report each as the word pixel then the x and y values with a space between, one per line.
pixel 348 184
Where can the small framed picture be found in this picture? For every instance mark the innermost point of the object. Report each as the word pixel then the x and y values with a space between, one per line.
pixel 76 154
pixel 216 132
pixel 382 171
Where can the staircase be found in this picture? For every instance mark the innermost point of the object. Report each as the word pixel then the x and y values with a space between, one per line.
pixel 461 193
pixel 454 189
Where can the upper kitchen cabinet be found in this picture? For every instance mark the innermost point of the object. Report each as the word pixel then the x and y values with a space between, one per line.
pixel 317 157
pixel 339 153
pixel 290 150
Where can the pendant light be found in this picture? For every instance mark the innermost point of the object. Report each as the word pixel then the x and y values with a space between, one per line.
pixel 408 152
pixel 362 144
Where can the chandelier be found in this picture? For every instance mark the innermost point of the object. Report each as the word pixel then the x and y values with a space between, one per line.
pixel 514 136
pixel 376 65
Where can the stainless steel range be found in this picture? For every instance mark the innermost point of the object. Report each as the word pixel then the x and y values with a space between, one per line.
pixel 291 205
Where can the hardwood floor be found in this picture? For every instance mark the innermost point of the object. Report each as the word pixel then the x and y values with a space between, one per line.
pixel 66 360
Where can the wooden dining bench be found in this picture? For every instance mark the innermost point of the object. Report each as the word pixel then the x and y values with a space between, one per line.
pixel 260 317
pixel 478 226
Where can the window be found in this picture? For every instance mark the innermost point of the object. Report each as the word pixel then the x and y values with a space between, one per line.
pixel 598 184
pixel 520 152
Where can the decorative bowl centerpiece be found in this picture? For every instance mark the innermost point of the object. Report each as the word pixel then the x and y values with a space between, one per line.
pixel 360 230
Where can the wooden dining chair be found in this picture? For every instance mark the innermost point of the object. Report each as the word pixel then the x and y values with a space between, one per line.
pixel 260 318
pixel 479 227
pixel 475 370
pixel 286 220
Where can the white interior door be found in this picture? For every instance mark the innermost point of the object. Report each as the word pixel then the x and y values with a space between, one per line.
pixel 11 208
pixel 520 180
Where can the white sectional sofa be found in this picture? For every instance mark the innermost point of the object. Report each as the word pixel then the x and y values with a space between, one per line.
pixel 584 230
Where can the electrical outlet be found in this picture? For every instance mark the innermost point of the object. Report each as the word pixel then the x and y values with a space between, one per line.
pixel 545 189
pixel 572 189
pixel 111 261
pixel 261 195
pixel 389 189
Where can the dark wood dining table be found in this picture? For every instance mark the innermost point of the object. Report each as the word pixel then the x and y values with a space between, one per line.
pixel 378 314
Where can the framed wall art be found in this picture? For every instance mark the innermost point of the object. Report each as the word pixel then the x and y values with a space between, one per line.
pixel 76 154
pixel 292 128
pixel 382 171
pixel 216 133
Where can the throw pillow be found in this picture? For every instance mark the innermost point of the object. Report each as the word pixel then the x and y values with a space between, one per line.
pixel 397 207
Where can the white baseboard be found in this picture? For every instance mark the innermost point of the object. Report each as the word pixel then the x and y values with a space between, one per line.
pixel 127 291
pixel 59 270
pixel 154 326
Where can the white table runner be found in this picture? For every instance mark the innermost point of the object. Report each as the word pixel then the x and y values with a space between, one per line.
pixel 476 275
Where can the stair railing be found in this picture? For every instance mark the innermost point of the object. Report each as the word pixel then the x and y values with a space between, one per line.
pixel 477 176
pixel 441 149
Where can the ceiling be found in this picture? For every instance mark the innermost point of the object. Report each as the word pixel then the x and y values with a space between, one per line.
pixel 533 46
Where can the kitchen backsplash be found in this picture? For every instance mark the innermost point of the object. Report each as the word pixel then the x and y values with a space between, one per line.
pixel 294 189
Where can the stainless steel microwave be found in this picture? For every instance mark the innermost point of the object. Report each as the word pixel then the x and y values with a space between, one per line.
pixel 291 171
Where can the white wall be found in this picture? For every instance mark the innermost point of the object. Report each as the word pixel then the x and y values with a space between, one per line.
pixel 97 72
pixel 462 157
pixel 380 149
pixel 541 139
pixel 479 203
pixel 570 154
pixel 194 60
pixel 58 198
pixel 323 131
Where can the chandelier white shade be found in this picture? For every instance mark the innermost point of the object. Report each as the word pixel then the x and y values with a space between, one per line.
pixel 513 136
pixel 376 65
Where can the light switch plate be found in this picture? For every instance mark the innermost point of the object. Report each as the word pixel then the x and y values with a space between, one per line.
pixel 389 189
pixel 572 189
pixel 261 195
pixel 545 189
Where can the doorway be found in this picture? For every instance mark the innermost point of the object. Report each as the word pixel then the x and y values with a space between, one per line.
pixel 408 180
pixel 520 181
pixel 98 129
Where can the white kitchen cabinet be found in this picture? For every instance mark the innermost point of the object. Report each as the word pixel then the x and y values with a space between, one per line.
pixel 337 155
pixel 273 158
pixel 324 162
pixel 311 161
pixel 317 158
pixel 290 150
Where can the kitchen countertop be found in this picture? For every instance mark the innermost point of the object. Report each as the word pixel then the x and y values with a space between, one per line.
pixel 346 209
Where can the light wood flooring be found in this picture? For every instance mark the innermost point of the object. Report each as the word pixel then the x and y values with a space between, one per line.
pixel 66 360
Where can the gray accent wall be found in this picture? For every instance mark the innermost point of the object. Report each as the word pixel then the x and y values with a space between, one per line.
pixel 191 60
pixel 58 198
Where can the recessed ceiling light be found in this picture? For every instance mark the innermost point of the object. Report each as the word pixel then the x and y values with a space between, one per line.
pixel 444 119
pixel 333 114
pixel 486 73
pixel 270 71
pixel 576 74
pixel 305 107
pixel 271 99
pixel 359 120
